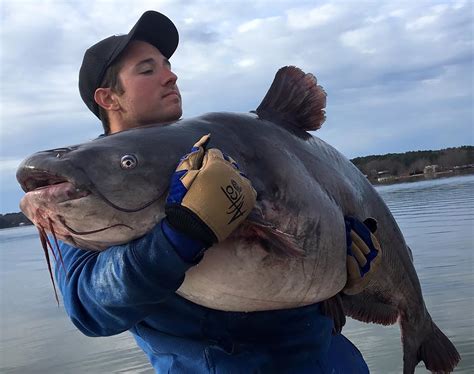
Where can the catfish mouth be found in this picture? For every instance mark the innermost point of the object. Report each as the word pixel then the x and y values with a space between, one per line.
pixel 43 186
pixel 51 186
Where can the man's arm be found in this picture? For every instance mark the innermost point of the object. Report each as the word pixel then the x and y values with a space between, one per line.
pixel 106 293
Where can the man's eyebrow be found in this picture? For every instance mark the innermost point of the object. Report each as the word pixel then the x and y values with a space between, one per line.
pixel 146 61
pixel 153 62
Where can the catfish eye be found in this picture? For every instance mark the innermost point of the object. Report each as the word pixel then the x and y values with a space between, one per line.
pixel 128 162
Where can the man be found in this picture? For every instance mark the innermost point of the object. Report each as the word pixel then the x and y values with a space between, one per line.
pixel 127 82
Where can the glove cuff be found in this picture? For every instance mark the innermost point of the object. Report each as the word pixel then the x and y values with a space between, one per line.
pixel 187 248
pixel 188 222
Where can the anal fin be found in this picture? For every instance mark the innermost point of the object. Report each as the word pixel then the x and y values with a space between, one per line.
pixel 370 307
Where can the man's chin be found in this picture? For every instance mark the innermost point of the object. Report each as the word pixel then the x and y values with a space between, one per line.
pixel 175 114
pixel 165 118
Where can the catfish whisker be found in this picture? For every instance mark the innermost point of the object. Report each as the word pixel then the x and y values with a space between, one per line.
pixel 51 228
pixel 44 242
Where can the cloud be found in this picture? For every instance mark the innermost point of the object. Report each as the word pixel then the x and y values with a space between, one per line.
pixel 424 21
pixel 397 73
pixel 304 18
pixel 250 25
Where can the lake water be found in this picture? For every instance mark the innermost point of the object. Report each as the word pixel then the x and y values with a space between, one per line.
pixel 436 217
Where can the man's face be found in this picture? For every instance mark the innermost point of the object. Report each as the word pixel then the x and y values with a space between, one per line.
pixel 151 94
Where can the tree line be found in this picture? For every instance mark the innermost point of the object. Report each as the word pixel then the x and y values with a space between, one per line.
pixel 13 220
pixel 414 162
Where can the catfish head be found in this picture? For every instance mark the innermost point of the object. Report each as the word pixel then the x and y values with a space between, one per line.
pixel 104 192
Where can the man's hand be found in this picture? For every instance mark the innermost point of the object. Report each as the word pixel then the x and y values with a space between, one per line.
pixel 209 197
pixel 363 254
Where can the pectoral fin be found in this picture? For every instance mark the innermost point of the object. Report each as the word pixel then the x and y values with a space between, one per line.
pixel 270 237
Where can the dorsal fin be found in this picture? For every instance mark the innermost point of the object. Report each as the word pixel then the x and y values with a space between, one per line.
pixel 295 100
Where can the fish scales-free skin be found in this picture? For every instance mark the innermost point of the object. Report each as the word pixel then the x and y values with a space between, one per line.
pixel 290 252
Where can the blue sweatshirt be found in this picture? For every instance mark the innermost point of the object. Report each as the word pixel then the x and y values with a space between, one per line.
pixel 132 287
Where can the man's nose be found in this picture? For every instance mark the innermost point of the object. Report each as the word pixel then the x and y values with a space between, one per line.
pixel 170 78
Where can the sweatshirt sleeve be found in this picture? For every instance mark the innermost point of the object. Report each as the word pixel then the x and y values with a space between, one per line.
pixel 108 292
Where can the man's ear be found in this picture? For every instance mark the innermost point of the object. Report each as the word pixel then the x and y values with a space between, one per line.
pixel 105 98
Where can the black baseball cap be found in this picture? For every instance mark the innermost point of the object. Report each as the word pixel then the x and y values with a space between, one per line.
pixel 152 27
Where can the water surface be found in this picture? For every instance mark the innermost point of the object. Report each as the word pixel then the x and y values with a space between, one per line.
pixel 436 217
pixel 437 220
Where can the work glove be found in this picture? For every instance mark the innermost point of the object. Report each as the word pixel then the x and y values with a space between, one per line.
pixel 363 253
pixel 209 196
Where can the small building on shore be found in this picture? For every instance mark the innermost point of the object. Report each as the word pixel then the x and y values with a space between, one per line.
pixel 384 176
pixel 431 169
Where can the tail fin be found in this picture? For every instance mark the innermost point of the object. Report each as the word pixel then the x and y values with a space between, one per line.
pixel 436 351
pixel 296 98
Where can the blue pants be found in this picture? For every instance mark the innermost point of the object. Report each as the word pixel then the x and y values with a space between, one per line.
pixel 187 338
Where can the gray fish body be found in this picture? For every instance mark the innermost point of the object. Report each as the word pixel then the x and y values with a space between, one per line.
pixel 305 188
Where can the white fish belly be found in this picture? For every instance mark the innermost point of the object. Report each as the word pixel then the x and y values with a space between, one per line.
pixel 245 278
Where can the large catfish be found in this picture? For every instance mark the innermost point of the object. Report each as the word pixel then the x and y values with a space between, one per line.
pixel 290 252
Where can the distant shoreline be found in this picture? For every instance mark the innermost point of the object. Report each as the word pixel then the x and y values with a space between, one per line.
pixel 422 177
pixel 10 220
pixel 414 166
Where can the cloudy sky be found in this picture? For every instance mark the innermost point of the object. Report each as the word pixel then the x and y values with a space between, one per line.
pixel 399 74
